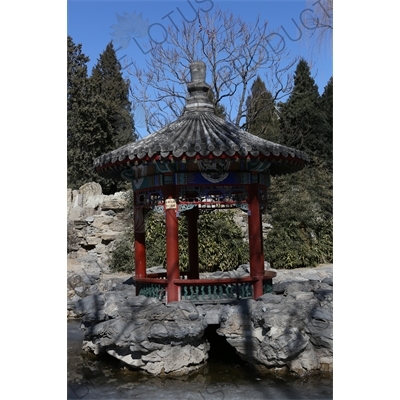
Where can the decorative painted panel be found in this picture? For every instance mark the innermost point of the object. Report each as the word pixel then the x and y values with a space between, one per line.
pixel 147 182
pixel 198 178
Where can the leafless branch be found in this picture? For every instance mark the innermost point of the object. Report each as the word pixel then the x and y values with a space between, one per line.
pixel 234 51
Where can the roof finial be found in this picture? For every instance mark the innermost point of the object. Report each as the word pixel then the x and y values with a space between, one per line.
pixel 198 99
pixel 198 71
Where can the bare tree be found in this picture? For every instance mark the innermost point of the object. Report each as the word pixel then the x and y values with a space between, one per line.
pixel 320 21
pixel 234 51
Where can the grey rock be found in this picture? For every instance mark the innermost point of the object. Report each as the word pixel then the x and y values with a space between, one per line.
pixel 322 314
pixel 291 328
pixel 156 270
pixel 193 316
pixel 303 295
pixel 321 334
pixel 114 202
pixel 127 358
pixel 78 223
pixel 110 213
pixel 90 189
pixel 280 346
pixel 324 294
pixel 90 305
pixel 270 298
pixel 328 280
pixel 79 290
pixel 307 361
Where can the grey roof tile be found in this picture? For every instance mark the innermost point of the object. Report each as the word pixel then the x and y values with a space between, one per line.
pixel 198 131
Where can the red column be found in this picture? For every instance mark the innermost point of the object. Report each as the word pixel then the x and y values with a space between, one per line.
pixel 193 244
pixel 255 240
pixel 140 244
pixel 171 223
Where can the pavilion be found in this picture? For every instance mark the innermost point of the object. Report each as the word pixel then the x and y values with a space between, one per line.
pixel 199 163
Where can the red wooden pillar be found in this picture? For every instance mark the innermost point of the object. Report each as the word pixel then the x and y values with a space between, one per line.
pixel 193 244
pixel 171 223
pixel 140 244
pixel 255 240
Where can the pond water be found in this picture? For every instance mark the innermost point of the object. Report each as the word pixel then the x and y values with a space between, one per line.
pixel 223 378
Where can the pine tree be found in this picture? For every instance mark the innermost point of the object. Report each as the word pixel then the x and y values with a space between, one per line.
pixel 100 120
pixel 301 205
pixel 261 117
pixel 113 90
pixel 300 211
pixel 327 106
pixel 77 111
pixel 304 123
pixel 327 101
pixel 76 74
pixel 219 108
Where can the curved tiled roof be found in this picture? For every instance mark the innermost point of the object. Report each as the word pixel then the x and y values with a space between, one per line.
pixel 199 132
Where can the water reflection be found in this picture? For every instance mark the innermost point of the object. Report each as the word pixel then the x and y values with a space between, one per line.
pixel 92 378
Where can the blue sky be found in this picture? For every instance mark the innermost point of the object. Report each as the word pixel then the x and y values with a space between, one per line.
pixel 89 23
pixel 92 23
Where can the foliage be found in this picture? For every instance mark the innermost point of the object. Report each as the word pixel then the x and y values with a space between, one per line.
pixel 261 118
pixel 122 255
pixel 300 205
pixel 219 108
pixel 304 120
pixel 300 211
pixel 98 115
pixel 327 101
pixel 221 244
pixel 220 241
pixel 77 111
pixel 110 86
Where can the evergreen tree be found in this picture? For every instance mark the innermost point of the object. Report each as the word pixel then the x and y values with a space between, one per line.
pixel 219 108
pixel 101 120
pixel 261 117
pixel 304 123
pixel 113 91
pixel 300 211
pixel 77 110
pixel 300 205
pixel 327 106
pixel 327 101
pixel 76 74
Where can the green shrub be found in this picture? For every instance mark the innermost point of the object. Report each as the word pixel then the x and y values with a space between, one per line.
pixel 220 241
pixel 122 256
pixel 300 209
pixel 297 248
pixel 221 244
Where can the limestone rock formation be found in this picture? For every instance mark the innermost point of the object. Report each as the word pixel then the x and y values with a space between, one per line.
pixel 287 331
pixel 143 333
pixel 95 221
